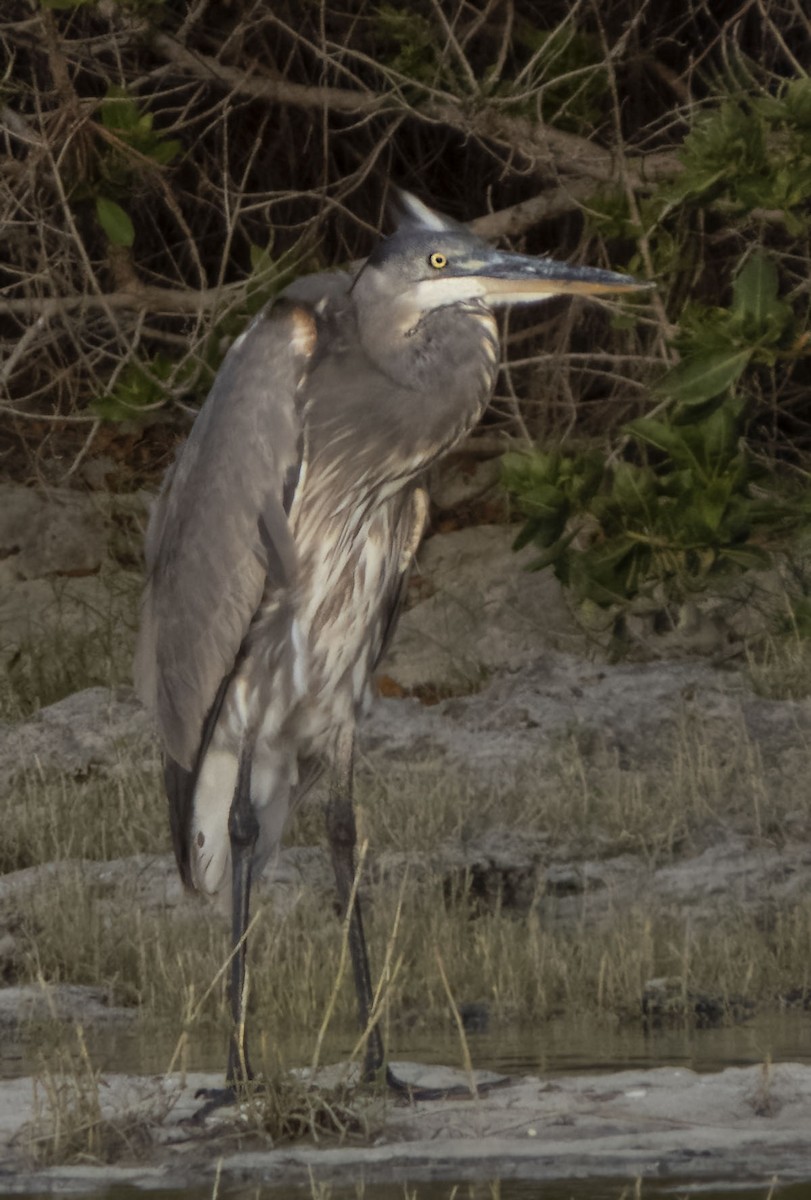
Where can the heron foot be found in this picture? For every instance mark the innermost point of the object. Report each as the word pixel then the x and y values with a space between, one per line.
pixel 227 1096
pixel 458 1091
pixel 222 1097
pixel 230 1094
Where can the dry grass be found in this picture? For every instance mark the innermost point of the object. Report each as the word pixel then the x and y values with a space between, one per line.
pixel 526 967
pixel 782 668
pixel 286 1108
pixel 585 800
pixel 72 1124
pixel 486 1189
pixel 49 816
pixel 82 635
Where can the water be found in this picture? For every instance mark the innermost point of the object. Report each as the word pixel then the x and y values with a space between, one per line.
pixel 583 1047
pixel 553 1048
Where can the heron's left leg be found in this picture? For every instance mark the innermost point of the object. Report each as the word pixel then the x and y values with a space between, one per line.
pixel 342 840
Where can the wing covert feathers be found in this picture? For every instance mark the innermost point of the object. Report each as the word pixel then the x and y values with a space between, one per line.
pixel 218 536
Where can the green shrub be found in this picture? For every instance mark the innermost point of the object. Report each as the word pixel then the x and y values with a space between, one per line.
pixel 701 486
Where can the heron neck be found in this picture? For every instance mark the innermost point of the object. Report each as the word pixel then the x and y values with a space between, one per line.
pixel 447 357
pixel 391 400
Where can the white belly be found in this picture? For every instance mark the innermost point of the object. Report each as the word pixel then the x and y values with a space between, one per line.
pixel 306 680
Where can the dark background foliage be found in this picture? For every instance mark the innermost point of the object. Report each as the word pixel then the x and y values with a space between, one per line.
pixel 168 166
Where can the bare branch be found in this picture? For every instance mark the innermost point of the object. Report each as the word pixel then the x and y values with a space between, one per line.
pixel 263 87
pixel 149 299
pixel 542 145
pixel 518 218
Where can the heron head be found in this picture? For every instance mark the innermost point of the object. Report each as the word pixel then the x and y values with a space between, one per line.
pixel 432 261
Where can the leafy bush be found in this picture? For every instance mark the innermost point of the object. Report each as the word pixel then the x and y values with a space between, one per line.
pixel 704 485
pixel 668 521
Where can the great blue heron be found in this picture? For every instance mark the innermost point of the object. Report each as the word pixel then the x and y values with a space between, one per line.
pixel 280 545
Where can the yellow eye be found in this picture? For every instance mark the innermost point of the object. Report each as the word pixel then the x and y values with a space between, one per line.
pixel 438 260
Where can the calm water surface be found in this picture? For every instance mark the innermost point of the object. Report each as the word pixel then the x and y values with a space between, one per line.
pixel 553 1048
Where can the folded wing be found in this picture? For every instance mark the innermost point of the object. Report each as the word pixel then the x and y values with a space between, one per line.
pixel 219 536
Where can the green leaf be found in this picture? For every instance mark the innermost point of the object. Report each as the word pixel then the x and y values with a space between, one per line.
pixel 754 291
pixel 712 504
pixel 631 487
pixel 695 182
pixel 138 389
pixel 119 112
pixel 261 259
pixel 703 376
pixel 720 438
pixel 163 152
pixel 114 221
pixel 750 557
pixel 554 552
pixel 662 437
pixel 546 510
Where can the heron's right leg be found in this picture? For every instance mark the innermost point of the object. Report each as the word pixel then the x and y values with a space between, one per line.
pixel 243 831
pixel 342 835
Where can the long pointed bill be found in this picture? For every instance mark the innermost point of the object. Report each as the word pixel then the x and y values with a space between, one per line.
pixel 516 279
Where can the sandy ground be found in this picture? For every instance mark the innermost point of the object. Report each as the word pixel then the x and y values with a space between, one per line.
pixel 670 1123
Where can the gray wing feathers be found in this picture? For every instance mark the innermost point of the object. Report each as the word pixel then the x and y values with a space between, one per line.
pixel 219 536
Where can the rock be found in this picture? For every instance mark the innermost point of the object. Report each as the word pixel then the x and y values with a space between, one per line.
pixel 58 625
pixel 98 471
pixel 736 874
pixel 151 881
pixel 88 1006
pixel 463 484
pixel 632 710
pixel 482 611
pixel 70 582
pixel 295 870
pixel 666 1001
pixel 146 880
pixel 82 732
pixel 54 533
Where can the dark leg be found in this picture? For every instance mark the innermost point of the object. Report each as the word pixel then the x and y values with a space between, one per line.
pixel 342 838
pixel 243 830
